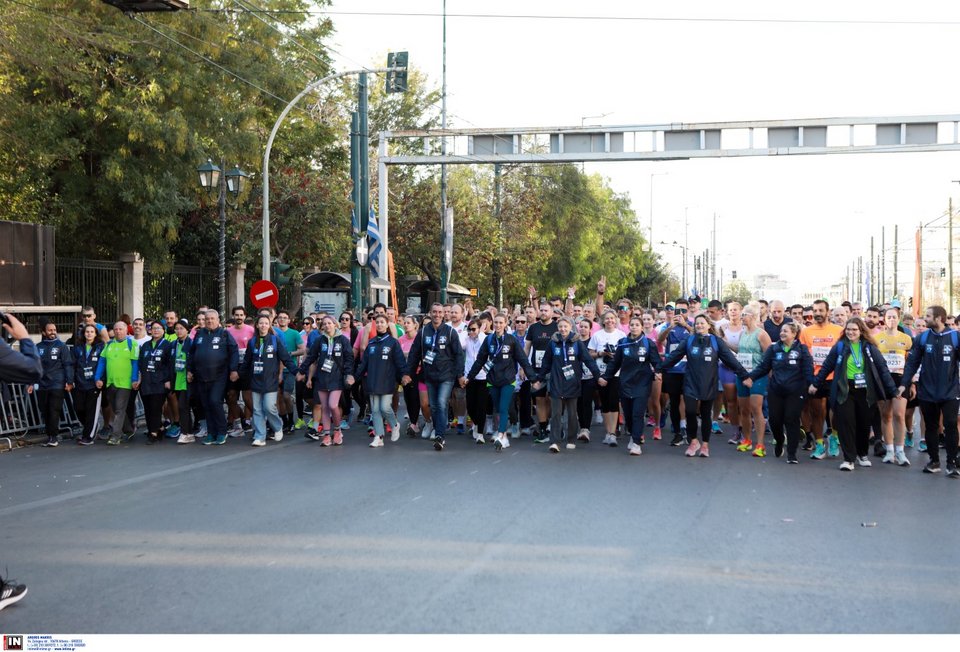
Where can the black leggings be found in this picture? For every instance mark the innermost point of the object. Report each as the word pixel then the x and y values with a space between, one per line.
pixel 585 403
pixel 477 398
pixel 785 414
pixel 673 386
pixel 610 396
pixel 153 411
pixel 705 414
pixel 411 398
pixel 86 403
pixel 852 418
pixel 932 413
pixel 524 405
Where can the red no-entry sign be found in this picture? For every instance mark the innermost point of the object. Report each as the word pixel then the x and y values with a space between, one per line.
pixel 264 294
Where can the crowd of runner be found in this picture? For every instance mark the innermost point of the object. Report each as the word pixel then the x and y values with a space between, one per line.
pixel 832 381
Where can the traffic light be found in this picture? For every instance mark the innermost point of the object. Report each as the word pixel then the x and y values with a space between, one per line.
pixel 280 273
pixel 910 302
pixel 734 273
pixel 397 79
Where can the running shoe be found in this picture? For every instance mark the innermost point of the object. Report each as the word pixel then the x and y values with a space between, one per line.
pixel 677 440
pixel 760 451
pixel 571 446
pixel 833 445
pixel 394 432
pixel 657 435
pixel 908 441
pixel 808 442
pixel 693 448
pixel 326 440
pixel 277 436
pixel 542 438
pixel 554 448
pixel 344 425
pixel 864 461
pixel 377 442
pixel 634 449
pixel 186 438
pixel 932 467
pixel 412 431
pixel 584 435
pixel 705 450
pixel 514 432
pixel 889 457
pixel 901 458
pixel 663 420
pixel 952 472
pixel 313 434
pixel 300 423
pixel 209 440
pixel 221 440
pixel 337 437
pixel 879 448
pixel 820 453
pixel 846 466
pixel 427 431
pixel 746 446
pixel 737 438
pixel 716 429
pixel 478 438
pixel 778 448
pixel 597 418
pixel 923 446
pixel 610 440
pixel 438 444
pixel 792 459
pixel 11 592
pixel 173 431
pixel 258 442
pixel 235 431
pixel 651 422
pixel 113 441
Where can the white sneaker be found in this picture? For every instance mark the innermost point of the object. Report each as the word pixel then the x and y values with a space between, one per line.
pixel 634 448
pixel 258 442
pixel 846 466
pixel 185 438
pixel 504 440
pixel 478 436
pixel 889 456
pixel 571 446
pixel 514 431
pixel 201 433
pixel 235 431
pixel 278 435
pixel 377 442
pixel 427 431
pixel 610 440
pixel 584 435
pixel 901 458
pixel 597 418
pixel 395 435
pixel 864 461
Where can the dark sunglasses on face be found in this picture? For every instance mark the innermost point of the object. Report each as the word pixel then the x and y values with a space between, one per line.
pixel 520 321
pixel 623 308
pixel 682 311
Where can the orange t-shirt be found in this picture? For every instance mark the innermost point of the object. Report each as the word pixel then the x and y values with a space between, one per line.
pixel 819 340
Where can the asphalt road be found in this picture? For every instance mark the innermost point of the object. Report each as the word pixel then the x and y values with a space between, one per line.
pixel 297 538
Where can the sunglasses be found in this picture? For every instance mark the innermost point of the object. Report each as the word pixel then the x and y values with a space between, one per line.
pixel 682 311
pixel 520 321
pixel 622 308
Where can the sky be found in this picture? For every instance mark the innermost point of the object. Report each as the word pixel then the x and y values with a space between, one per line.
pixel 804 218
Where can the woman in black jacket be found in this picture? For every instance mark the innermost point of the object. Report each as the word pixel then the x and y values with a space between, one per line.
pixel 86 396
pixel 861 380
pixel 704 351
pixel 381 368
pixel 500 355
pixel 332 354
pixel 792 367
pixel 156 375
pixel 563 362
pixel 636 358
pixel 261 370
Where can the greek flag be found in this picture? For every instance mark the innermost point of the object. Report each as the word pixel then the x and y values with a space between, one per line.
pixel 373 242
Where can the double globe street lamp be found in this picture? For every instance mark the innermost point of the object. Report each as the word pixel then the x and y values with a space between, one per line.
pixel 212 178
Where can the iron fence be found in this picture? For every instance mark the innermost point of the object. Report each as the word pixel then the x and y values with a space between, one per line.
pixel 97 283
pixel 184 289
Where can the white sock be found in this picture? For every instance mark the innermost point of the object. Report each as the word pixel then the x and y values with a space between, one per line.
pixel 898 449
pixel 683 423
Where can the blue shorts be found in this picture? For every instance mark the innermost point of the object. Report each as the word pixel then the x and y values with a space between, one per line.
pixel 759 388
pixel 727 377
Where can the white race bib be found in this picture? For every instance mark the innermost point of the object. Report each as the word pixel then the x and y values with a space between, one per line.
pixel 819 354
pixel 746 359
pixel 896 362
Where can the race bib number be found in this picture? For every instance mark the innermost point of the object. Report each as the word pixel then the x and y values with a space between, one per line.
pixel 430 357
pixel 488 365
pixel 567 371
pixel 151 366
pixel 257 368
pixel 860 381
pixel 242 353
pixel 745 360
pixel 674 347
pixel 327 365
pixel 180 365
pixel 896 362
pixel 819 354
pixel 87 374
pixel 601 365
pixel 538 358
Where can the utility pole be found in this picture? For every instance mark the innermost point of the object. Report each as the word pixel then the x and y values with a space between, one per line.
pixel 364 158
pixel 497 262
pixel 686 242
pixel 896 289
pixel 883 264
pixel 713 261
pixel 443 172
pixel 859 278
pixel 872 276
pixel 950 255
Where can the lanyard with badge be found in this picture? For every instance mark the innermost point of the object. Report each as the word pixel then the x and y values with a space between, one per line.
pixel 180 363
pixel 258 361
pixel 431 355
pixel 385 353
pixel 327 365
pixel 859 377
pixel 488 365
pixel 571 355
pixel 151 357
pixel 88 367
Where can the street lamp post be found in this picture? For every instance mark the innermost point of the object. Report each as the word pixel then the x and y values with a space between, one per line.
pixel 213 177
pixel 683 289
pixel 652 175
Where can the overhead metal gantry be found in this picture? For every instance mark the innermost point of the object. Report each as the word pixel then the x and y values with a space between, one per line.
pixel 665 142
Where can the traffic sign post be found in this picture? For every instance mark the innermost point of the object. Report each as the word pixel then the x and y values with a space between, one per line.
pixel 264 294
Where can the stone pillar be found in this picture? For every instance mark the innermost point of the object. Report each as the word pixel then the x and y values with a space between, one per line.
pixel 131 302
pixel 236 289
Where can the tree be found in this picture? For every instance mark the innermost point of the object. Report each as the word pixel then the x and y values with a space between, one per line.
pixel 736 290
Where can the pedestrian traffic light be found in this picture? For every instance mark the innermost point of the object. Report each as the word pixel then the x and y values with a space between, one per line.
pixel 910 302
pixel 943 272
pixel 397 79
pixel 279 273
pixel 734 273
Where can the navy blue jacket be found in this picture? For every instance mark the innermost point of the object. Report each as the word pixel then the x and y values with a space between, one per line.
pixel 383 364
pixel 506 353
pixel 85 365
pixel 880 385
pixel 449 357
pixel 214 355
pixel 57 363
pixel 636 360
pixel 341 356
pixel 704 353
pixel 156 367
pixel 23 367
pixel 261 363
pixel 938 354
pixel 792 370
pixel 565 354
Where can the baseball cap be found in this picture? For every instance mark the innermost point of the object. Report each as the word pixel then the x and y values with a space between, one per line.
pixel 694 298
pixel 895 304
pixel 669 306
